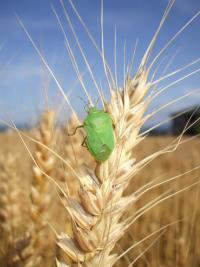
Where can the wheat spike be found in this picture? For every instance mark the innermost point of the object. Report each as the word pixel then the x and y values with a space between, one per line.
pixel 14 240
pixel 97 222
pixel 96 218
pixel 39 249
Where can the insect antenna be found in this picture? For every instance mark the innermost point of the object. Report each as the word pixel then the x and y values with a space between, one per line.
pixel 87 104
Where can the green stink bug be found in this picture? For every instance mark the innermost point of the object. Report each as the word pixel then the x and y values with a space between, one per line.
pixel 99 133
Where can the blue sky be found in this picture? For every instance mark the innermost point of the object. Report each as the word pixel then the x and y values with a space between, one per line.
pixel 23 77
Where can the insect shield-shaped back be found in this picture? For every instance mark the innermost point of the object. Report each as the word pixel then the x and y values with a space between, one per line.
pixel 99 134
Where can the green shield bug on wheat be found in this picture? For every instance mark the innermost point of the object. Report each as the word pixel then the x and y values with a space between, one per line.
pixel 99 138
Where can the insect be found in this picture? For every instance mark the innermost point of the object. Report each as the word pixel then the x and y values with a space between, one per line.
pixel 99 133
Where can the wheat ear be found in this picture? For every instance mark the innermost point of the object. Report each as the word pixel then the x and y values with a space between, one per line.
pixel 97 217
pixel 97 224
pixel 39 248
pixel 14 240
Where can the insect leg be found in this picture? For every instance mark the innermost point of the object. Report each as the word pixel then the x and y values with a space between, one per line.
pixel 84 143
pixel 80 126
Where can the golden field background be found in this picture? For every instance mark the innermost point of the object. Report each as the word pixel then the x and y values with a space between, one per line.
pixel 177 246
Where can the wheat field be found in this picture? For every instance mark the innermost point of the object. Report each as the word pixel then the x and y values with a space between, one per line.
pixel 178 245
pixel 94 197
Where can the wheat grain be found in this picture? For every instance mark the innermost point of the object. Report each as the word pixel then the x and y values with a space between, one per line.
pixel 76 156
